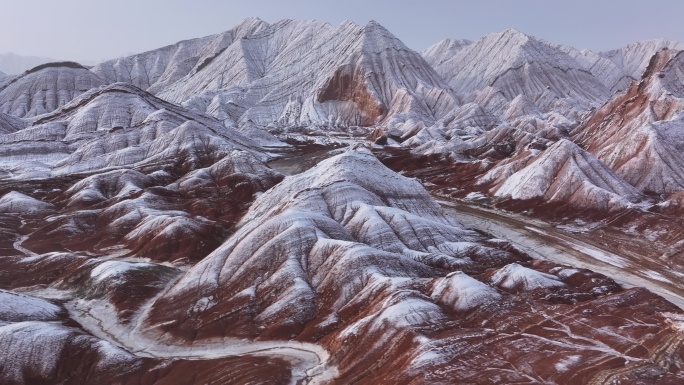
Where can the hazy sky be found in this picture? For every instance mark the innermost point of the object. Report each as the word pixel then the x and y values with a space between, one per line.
pixel 94 30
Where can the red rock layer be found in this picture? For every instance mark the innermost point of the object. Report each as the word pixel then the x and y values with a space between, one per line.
pixel 348 84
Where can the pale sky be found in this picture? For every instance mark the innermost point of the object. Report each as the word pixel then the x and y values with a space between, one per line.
pixel 94 30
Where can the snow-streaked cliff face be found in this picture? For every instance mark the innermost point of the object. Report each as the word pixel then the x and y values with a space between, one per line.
pixel 436 55
pixel 612 74
pixel 638 133
pixel 634 58
pixel 156 69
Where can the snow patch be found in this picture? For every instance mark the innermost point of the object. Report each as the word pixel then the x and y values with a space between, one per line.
pixel 514 276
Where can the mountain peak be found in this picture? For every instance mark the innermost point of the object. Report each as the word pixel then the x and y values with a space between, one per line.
pixel 514 36
pixel 444 50
pixel 348 23
pixel 514 32
pixel 46 87
pixel 250 21
pixel 635 57
pixel 374 24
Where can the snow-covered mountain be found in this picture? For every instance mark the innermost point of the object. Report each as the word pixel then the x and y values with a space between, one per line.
pixel 292 72
pixel 619 67
pixel 156 69
pixel 512 64
pixel 543 94
pixel 634 58
pixel 444 51
pixel 327 230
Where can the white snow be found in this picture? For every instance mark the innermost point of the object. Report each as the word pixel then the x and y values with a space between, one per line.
pixel 566 173
pixel 462 292
pixel 514 275
pixel 111 269
pixel 18 203
pixel 16 307
pixel 566 363
pixel 36 93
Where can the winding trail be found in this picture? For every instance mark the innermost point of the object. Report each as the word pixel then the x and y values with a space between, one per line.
pixel 17 244
pixel 541 240
pixel 308 361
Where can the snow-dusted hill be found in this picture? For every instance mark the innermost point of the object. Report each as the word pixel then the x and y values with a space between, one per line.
pixel 612 74
pixel 45 88
pixel 444 51
pixel 566 174
pixel 541 94
pixel 328 230
pixel 113 127
pixel 313 73
pixel 634 58
pixel 350 252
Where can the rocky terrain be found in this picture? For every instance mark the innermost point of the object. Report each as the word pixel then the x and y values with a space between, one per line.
pixel 302 203
pixel 45 88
